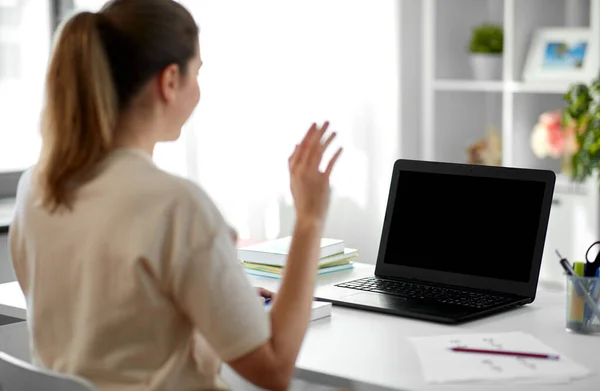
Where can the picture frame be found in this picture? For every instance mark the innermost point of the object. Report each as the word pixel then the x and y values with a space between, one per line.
pixel 562 55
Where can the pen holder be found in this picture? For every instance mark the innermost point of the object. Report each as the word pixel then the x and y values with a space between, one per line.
pixel 583 304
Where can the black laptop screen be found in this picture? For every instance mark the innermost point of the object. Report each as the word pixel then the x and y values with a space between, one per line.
pixel 465 224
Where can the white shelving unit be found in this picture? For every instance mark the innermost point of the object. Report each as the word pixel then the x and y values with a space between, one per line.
pixel 457 110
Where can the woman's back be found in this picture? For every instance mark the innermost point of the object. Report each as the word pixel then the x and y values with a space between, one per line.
pixel 107 285
pixel 130 274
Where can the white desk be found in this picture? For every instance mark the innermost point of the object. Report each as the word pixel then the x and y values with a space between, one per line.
pixel 373 352
pixel 12 301
pixel 367 351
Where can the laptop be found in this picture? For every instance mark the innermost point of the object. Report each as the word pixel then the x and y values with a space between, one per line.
pixel 459 242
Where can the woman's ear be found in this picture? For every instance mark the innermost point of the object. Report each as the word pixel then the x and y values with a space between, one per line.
pixel 168 83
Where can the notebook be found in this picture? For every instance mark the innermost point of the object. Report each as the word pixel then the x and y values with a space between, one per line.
pixel 320 310
pixel 275 252
pixel 346 257
pixel 279 274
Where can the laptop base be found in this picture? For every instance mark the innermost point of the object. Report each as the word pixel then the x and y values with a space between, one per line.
pixel 411 308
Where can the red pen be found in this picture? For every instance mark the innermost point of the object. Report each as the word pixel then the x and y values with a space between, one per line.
pixel 507 353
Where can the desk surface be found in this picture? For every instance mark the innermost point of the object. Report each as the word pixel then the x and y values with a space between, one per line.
pixel 373 350
pixel 369 351
pixel 12 301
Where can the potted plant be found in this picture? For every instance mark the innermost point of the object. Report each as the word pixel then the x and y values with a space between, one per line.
pixel 582 113
pixel 486 48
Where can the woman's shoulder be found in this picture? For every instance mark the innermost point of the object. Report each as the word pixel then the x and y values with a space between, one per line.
pixel 135 174
pixel 193 211
pixel 188 200
pixel 186 190
pixel 24 184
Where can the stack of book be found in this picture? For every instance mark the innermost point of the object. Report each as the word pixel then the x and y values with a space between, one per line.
pixel 268 259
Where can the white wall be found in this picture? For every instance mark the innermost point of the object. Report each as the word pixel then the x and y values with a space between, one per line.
pixel 24 47
pixel 271 68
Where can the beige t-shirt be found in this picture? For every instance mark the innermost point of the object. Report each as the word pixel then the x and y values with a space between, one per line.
pixel 139 287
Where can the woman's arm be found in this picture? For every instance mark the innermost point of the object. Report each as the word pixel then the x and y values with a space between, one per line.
pixel 272 364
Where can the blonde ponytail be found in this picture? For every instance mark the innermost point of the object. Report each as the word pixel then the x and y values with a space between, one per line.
pixel 99 63
pixel 80 111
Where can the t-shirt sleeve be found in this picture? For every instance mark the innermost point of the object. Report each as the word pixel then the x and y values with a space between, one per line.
pixel 16 243
pixel 211 288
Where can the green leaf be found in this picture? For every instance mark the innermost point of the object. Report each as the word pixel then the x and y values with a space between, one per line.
pixel 582 107
pixel 565 118
pixel 487 38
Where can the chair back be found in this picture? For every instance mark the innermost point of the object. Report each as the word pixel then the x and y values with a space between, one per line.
pixel 18 375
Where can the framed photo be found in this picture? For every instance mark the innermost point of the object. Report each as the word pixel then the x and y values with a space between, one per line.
pixel 562 54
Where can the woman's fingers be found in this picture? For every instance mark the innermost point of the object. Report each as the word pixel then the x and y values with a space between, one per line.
pixel 307 144
pixel 328 141
pixel 304 147
pixel 234 234
pixel 293 158
pixel 322 131
pixel 265 293
pixel 316 150
pixel 332 162
pixel 310 150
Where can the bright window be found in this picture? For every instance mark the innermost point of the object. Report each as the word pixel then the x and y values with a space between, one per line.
pixel 24 47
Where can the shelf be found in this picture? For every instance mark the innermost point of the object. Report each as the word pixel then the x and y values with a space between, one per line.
pixel 453 27
pixel 558 87
pixel 463 119
pixel 456 109
pixel 468 85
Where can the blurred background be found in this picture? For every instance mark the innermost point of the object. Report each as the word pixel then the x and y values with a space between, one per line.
pixel 479 81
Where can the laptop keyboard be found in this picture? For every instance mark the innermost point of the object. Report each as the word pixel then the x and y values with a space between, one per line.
pixel 425 292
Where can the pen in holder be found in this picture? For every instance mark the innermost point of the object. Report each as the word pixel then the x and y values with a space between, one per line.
pixel 583 304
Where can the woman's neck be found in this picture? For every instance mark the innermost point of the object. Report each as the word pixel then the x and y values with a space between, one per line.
pixel 146 146
pixel 135 132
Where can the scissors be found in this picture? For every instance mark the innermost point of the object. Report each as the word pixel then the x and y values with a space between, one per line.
pixel 591 268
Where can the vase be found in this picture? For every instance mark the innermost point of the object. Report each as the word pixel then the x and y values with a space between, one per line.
pixel 566 166
pixel 486 66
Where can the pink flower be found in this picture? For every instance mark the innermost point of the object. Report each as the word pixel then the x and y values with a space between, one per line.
pixel 539 142
pixel 556 137
pixel 550 139
pixel 550 118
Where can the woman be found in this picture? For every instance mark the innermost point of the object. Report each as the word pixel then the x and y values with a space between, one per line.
pixel 130 273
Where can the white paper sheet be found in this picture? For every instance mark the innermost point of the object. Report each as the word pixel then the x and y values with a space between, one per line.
pixel 441 365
